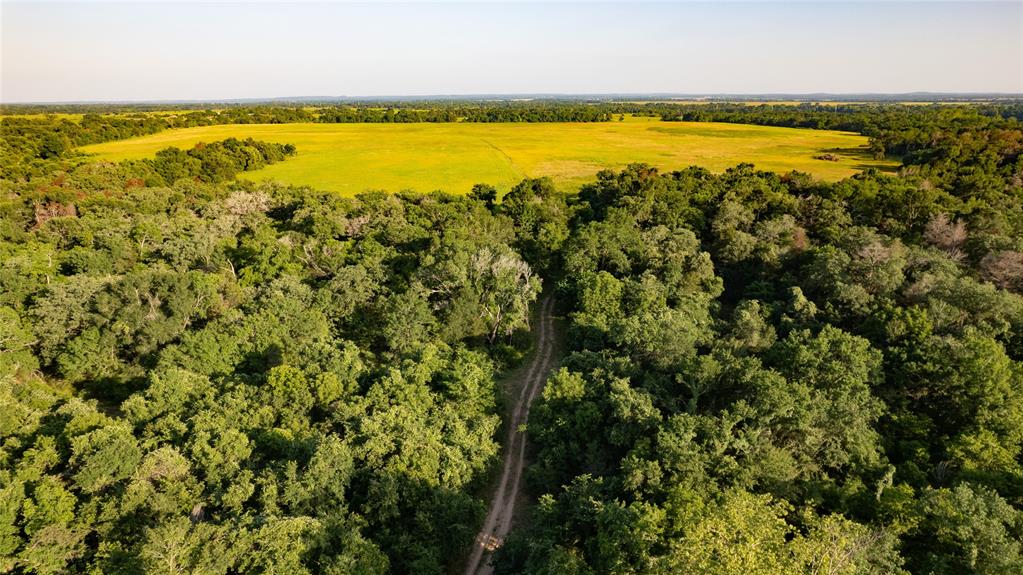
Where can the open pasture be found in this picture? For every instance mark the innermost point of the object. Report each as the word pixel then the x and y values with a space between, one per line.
pixel 351 158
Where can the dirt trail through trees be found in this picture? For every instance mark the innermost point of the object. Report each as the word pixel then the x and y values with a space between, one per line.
pixel 502 505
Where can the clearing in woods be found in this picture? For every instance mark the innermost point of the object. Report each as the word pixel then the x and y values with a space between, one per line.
pixel 352 158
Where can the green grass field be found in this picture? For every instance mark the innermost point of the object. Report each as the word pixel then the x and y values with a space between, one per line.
pixel 351 158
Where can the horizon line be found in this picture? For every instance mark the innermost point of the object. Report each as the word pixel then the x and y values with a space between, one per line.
pixel 757 96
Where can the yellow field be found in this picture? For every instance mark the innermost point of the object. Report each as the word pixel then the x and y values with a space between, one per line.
pixel 350 158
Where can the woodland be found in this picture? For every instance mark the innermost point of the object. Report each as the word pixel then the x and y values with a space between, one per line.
pixel 762 373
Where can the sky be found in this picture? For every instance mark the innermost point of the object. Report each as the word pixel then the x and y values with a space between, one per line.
pixel 84 51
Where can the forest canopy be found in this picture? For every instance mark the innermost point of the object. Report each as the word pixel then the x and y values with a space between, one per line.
pixel 763 373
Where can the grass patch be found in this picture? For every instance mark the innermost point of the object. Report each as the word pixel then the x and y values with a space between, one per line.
pixel 351 158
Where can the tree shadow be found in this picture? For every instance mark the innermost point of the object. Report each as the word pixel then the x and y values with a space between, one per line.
pixel 863 159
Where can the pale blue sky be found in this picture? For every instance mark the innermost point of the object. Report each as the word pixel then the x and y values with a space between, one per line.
pixel 148 51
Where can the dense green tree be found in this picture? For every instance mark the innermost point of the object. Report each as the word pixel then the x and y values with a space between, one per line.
pixel 763 372
pixel 966 530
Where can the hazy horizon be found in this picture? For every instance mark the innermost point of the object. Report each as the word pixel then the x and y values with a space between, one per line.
pixel 98 52
pixel 607 96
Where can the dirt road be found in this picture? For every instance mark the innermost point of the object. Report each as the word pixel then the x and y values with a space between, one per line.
pixel 502 506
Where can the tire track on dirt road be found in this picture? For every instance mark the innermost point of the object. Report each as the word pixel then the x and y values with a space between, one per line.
pixel 502 505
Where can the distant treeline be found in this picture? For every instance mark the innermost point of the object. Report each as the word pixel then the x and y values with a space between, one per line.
pixel 34 146
pixel 28 146
pixel 859 117
pixel 480 113
pixel 897 130
pixel 212 163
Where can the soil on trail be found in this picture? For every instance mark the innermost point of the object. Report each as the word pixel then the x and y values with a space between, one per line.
pixel 502 505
